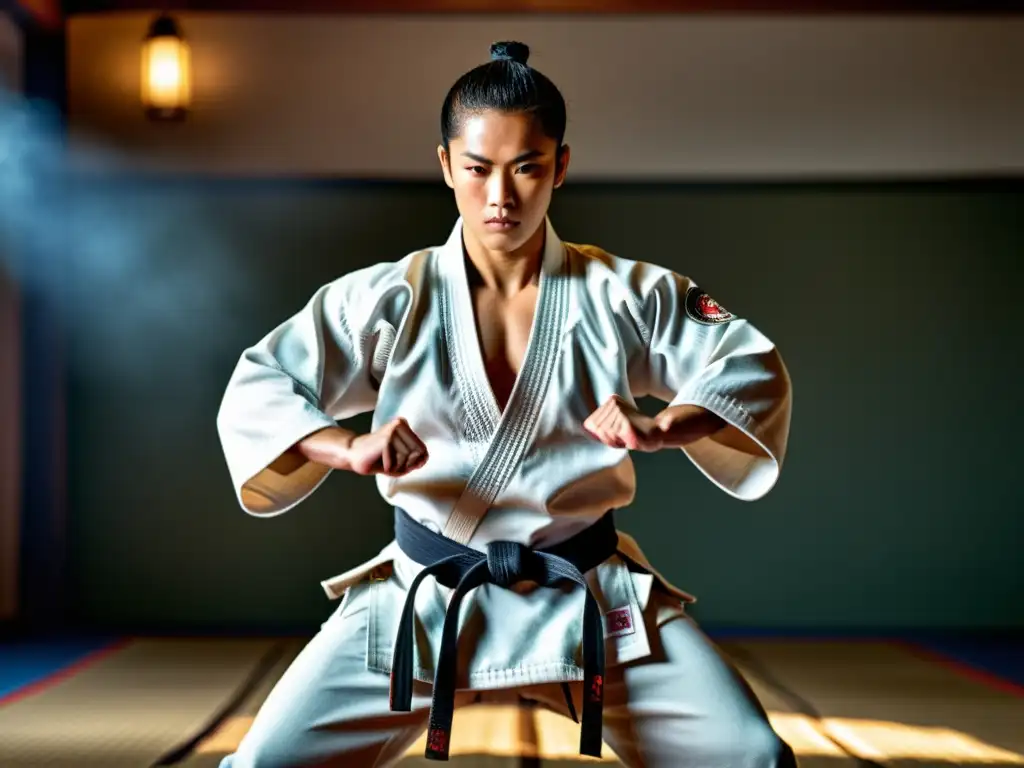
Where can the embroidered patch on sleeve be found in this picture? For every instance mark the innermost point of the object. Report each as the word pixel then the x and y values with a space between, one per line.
pixel 704 309
pixel 620 622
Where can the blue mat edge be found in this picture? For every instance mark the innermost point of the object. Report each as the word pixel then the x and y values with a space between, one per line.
pixel 27 662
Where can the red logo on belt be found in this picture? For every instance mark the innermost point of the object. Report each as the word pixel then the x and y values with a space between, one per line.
pixel 437 741
pixel 596 688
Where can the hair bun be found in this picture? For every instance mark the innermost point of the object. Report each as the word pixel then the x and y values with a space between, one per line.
pixel 510 51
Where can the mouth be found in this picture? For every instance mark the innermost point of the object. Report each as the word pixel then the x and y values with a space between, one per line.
pixel 500 224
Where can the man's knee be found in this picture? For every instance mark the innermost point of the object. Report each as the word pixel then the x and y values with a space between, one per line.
pixel 746 743
pixel 759 745
pixel 266 748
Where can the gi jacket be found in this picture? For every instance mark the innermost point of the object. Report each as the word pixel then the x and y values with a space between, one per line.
pixel 399 339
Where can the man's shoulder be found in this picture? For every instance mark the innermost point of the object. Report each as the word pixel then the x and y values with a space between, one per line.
pixel 371 280
pixel 597 265
pixel 379 291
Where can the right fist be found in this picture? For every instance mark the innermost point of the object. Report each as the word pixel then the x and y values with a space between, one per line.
pixel 393 450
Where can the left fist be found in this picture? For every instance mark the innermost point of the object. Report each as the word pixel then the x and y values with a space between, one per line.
pixel 617 424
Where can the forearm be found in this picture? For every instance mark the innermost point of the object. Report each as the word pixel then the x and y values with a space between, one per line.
pixel 326 446
pixel 681 425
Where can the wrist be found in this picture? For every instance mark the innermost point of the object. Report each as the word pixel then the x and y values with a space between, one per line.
pixel 684 424
pixel 330 446
pixel 342 440
pixel 670 419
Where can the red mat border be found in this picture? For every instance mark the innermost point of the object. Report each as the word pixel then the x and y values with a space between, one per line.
pixel 922 651
pixel 962 668
pixel 64 673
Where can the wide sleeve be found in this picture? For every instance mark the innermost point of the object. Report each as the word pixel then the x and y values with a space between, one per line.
pixel 699 353
pixel 313 370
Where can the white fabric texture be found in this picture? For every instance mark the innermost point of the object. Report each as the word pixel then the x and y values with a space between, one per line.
pixel 399 339
pixel 683 706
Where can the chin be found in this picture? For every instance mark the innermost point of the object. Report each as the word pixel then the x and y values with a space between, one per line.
pixel 499 242
pixel 503 242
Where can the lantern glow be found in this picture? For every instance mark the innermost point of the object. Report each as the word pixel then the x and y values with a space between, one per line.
pixel 166 71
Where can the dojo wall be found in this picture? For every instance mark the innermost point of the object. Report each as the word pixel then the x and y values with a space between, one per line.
pixel 10 355
pixel 864 232
pixel 731 98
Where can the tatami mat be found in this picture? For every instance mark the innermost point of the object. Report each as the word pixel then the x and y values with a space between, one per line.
pixel 887 704
pixel 839 704
pixel 802 732
pixel 129 708
pixel 486 736
pixel 223 740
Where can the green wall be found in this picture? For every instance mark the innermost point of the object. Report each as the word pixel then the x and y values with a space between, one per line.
pixel 895 306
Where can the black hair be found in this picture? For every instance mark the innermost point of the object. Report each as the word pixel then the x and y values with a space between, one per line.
pixel 505 83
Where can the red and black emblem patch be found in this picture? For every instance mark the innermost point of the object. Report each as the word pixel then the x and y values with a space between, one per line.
pixel 704 309
pixel 620 622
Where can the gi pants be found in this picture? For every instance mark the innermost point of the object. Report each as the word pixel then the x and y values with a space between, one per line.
pixel 682 706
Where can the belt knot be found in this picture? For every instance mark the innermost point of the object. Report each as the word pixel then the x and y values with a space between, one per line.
pixel 507 562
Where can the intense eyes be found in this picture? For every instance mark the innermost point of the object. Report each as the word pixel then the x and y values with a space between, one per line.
pixel 479 170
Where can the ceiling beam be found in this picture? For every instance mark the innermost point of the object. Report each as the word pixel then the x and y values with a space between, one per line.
pixel 810 7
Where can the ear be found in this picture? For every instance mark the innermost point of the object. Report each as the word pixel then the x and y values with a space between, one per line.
pixel 563 165
pixel 446 168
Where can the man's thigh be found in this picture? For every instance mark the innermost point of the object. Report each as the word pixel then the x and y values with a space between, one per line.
pixel 685 704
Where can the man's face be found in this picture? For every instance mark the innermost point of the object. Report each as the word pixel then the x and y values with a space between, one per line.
pixel 502 166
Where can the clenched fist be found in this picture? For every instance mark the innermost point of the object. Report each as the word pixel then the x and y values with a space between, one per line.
pixel 393 450
pixel 617 424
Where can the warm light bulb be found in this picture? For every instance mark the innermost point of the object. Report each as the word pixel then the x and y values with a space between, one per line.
pixel 166 73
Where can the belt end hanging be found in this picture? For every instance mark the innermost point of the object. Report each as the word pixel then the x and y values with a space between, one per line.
pixel 591 740
pixel 593 716
pixel 437 744
pixel 400 693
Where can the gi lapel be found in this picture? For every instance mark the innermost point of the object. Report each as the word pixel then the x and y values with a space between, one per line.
pixel 506 434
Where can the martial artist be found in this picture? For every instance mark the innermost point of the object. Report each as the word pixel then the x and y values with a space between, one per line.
pixel 503 369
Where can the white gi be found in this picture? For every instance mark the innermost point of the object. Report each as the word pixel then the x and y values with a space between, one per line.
pixel 399 338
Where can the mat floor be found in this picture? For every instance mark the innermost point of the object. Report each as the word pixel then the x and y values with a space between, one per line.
pixel 189 701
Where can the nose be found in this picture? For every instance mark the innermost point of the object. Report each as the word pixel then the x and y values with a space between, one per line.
pixel 501 191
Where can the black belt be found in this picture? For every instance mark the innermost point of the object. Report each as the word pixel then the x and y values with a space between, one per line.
pixel 505 563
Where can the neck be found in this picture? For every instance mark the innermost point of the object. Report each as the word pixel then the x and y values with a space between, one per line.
pixel 506 272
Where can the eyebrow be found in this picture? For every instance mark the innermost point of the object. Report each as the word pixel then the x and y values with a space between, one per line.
pixel 525 156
